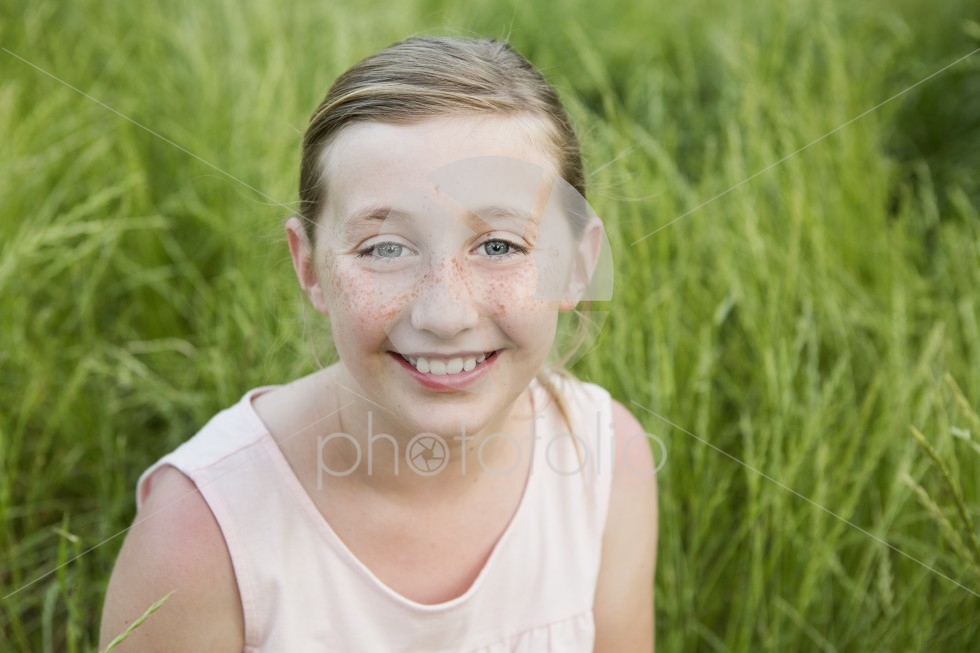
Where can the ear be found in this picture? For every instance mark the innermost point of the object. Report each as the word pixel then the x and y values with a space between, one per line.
pixel 584 265
pixel 304 264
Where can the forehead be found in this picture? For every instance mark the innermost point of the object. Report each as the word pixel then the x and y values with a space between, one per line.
pixel 374 164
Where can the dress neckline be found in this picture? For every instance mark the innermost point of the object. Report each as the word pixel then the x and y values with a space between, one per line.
pixel 305 503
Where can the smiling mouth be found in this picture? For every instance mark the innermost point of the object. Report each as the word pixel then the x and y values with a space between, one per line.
pixel 447 366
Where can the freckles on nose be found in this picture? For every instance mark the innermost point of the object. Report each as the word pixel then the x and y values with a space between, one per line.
pixel 450 281
pixel 455 277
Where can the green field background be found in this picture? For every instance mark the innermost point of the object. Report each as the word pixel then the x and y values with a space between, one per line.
pixel 787 341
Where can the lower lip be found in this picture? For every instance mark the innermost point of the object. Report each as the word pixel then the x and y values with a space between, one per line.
pixel 447 382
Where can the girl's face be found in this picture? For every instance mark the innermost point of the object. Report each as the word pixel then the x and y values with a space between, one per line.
pixel 442 258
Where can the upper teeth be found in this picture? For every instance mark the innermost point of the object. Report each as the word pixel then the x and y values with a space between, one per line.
pixel 440 367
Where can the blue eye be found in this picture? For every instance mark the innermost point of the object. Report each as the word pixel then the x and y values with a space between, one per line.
pixel 382 250
pixel 498 248
pixel 388 250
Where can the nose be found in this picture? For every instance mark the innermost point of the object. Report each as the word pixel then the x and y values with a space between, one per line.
pixel 445 305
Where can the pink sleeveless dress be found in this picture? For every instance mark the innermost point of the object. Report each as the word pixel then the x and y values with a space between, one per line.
pixel 303 590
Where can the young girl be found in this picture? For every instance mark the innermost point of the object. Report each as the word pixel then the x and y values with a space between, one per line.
pixel 437 489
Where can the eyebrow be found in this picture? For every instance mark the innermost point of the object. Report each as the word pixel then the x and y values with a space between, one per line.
pixel 492 215
pixel 498 212
pixel 369 214
pixel 489 215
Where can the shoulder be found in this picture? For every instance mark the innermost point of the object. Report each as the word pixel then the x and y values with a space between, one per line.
pixel 634 483
pixel 632 447
pixel 624 596
pixel 632 443
pixel 174 545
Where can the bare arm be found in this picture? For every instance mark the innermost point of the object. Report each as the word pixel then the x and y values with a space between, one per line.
pixel 624 614
pixel 175 544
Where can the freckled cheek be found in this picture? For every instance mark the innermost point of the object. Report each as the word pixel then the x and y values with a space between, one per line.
pixel 363 303
pixel 528 321
pixel 523 309
pixel 511 292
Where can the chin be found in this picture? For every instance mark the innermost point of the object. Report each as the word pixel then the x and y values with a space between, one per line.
pixel 448 421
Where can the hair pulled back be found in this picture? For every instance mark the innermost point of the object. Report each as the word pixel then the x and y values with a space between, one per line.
pixel 428 77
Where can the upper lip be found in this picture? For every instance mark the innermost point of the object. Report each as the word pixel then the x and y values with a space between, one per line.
pixel 458 354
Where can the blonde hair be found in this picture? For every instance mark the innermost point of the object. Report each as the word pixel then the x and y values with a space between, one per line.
pixel 428 77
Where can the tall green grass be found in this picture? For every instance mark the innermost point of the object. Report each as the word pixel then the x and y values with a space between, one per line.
pixel 809 322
